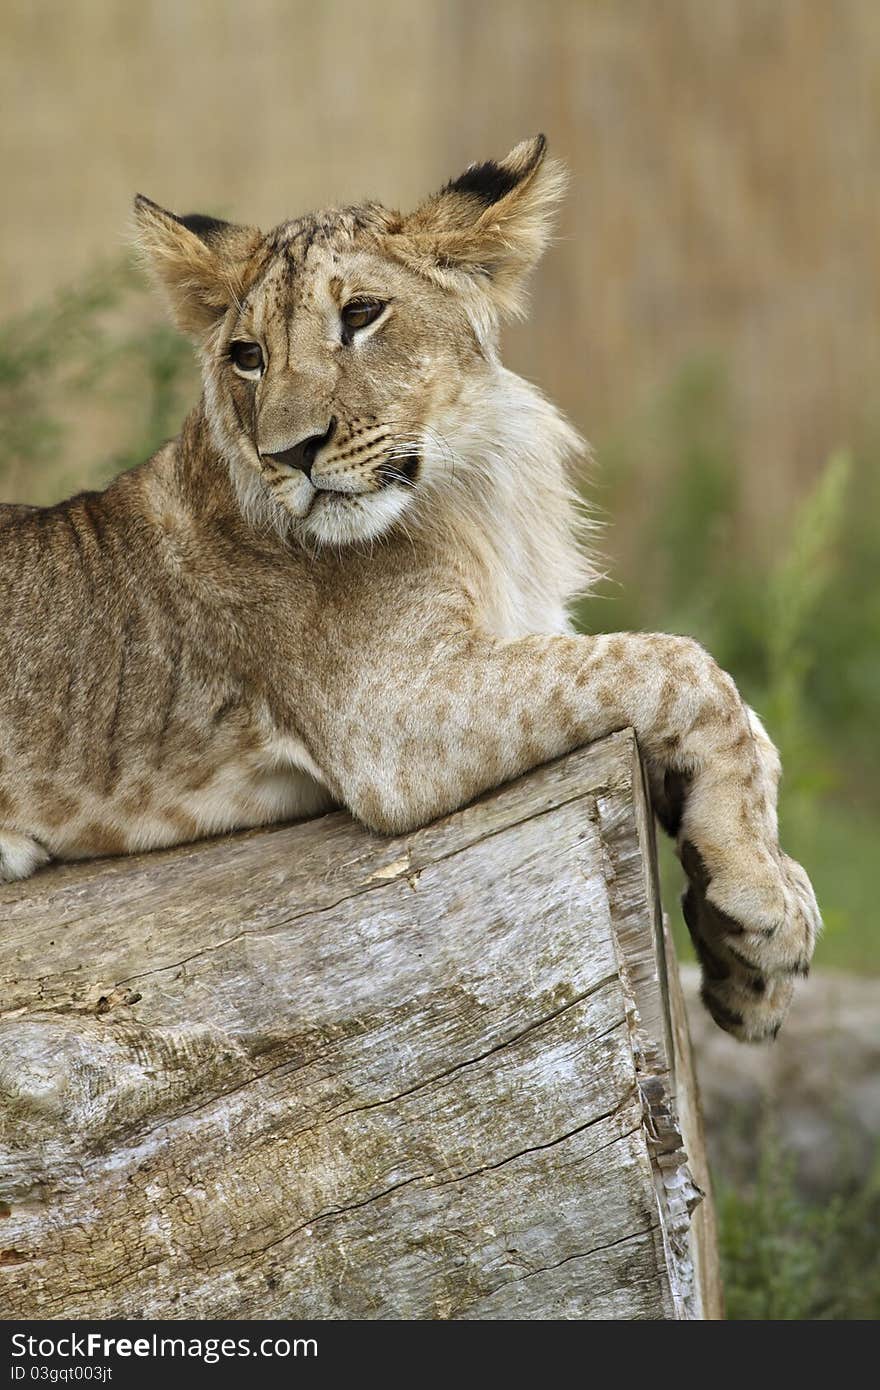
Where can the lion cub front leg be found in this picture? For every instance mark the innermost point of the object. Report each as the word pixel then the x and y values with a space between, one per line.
pixel 491 711
pixel 750 908
pixel 20 856
pixel 747 976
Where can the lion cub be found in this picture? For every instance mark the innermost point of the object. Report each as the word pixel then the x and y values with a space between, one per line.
pixel 346 582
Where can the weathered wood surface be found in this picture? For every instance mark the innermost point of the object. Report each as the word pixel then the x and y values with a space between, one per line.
pixel 310 1072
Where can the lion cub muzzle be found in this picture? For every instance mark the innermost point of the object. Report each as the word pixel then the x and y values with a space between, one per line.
pixel 303 453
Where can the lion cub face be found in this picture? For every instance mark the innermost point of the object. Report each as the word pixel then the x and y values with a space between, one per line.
pixel 342 352
pixel 325 381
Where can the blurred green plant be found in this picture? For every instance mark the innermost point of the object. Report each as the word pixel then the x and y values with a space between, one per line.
pixel 96 354
pixel 786 1256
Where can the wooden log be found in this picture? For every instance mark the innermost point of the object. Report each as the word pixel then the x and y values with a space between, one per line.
pixel 311 1072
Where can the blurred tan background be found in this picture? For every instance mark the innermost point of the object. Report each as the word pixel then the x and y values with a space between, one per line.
pixel 723 153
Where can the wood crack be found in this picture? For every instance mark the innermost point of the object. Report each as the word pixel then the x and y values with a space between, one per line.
pixel 537 1148
pixel 578 1255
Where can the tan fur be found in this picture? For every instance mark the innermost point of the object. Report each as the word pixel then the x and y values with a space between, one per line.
pixel 222 639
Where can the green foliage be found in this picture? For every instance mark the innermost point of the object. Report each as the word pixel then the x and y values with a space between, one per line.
pixel 93 360
pixel 797 584
pixel 38 350
pixel 786 1256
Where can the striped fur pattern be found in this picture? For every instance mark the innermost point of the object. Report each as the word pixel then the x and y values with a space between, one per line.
pixel 347 583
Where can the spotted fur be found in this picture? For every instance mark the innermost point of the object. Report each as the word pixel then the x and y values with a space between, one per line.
pixel 226 638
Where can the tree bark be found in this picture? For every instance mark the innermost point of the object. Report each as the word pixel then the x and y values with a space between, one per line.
pixel 309 1072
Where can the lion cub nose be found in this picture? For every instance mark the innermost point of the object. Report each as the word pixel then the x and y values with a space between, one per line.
pixel 303 454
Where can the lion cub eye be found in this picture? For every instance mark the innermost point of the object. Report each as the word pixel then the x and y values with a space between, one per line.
pixel 248 357
pixel 359 312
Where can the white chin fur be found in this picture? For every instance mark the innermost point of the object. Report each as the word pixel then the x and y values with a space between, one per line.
pixel 296 494
pixel 341 519
pixel 329 520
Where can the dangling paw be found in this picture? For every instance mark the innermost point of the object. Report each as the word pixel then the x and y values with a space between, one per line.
pixel 765 908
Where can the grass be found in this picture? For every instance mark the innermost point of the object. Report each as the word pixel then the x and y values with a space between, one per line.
pixel 787 1256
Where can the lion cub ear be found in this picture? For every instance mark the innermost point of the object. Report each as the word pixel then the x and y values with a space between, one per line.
pixel 488 227
pixel 201 263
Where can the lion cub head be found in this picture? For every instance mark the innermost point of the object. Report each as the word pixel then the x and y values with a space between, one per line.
pixel 347 355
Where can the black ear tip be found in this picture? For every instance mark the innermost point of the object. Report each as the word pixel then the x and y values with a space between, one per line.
pixel 202 226
pixel 489 182
pixel 205 228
